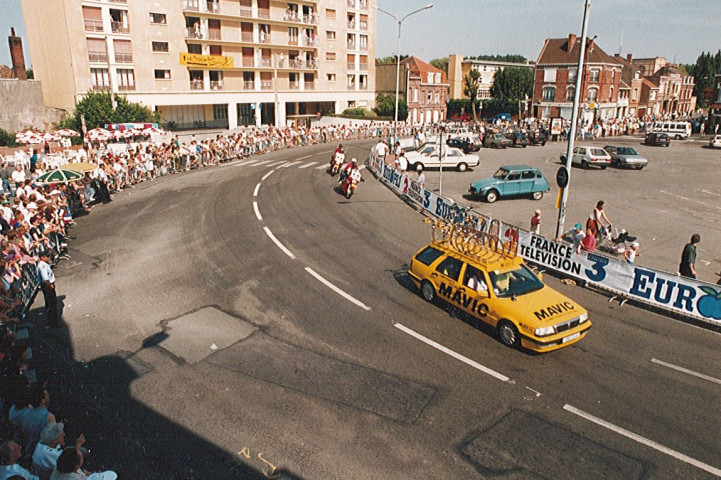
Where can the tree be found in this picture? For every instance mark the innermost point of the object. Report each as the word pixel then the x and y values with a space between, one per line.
pixel 7 139
pixel 30 74
pixel 470 89
pixel 97 107
pixel 512 84
pixel 440 64
pixel 500 58
pixel 390 60
pixel 703 71
pixel 386 107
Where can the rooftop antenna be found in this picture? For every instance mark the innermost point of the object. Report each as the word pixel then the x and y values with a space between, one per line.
pixel 620 46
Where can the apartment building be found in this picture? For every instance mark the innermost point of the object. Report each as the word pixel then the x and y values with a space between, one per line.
pixel 207 63
pixel 459 67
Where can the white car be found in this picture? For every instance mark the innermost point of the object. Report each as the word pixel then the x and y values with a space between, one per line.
pixel 428 157
pixel 715 142
pixel 589 156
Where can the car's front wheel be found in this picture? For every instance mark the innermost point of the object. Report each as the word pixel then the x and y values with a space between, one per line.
pixel 508 334
pixel 427 290
pixel 491 196
pixel 584 164
pixel 462 167
pixel 537 195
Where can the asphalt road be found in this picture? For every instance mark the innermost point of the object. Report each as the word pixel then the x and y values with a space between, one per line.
pixel 246 321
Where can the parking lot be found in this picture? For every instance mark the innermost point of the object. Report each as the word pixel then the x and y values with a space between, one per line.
pixel 676 195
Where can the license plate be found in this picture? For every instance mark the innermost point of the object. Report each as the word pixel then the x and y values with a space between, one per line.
pixel 571 337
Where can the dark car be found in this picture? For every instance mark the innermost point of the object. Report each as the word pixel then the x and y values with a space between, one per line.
pixel 537 137
pixel 464 144
pixel 517 139
pixel 657 139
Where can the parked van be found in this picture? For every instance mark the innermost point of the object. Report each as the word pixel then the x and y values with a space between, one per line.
pixel 677 130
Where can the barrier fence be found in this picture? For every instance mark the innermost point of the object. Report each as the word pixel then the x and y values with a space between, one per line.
pixel 684 296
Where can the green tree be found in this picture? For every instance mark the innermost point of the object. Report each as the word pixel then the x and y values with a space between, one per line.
pixel 97 107
pixel 30 74
pixel 704 71
pixel 500 58
pixel 512 84
pixel 470 89
pixel 390 60
pixel 7 139
pixel 440 64
pixel 386 107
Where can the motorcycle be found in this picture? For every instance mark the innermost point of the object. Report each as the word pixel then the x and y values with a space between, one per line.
pixel 336 161
pixel 351 183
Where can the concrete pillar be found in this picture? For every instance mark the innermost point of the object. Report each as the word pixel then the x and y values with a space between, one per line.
pixel 257 114
pixel 232 115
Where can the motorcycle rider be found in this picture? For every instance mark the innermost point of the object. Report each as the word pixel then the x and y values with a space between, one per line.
pixel 349 167
pixel 338 151
pixel 353 175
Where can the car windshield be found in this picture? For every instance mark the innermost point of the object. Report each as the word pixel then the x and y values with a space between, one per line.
pixel 500 173
pixel 515 282
pixel 428 150
pixel 598 151
pixel 626 151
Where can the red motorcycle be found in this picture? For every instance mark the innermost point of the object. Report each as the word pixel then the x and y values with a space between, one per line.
pixel 336 161
pixel 351 183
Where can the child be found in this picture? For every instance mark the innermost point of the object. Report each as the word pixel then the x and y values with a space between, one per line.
pixel 536 222
pixel 631 253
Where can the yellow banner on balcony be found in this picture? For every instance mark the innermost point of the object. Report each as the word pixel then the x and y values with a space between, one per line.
pixel 206 61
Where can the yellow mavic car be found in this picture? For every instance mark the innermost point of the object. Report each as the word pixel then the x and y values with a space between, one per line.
pixel 482 276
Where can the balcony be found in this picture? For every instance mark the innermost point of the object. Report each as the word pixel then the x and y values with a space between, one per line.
pixel 249 85
pixel 364 47
pixel 351 45
pixel 267 63
pixel 119 27
pixel 309 86
pixel 293 41
pixel 263 13
pixel 216 84
pixel 351 24
pixel 123 57
pixel 363 4
pixel 363 87
pixel 126 88
pixel 93 25
pixel 294 85
pixel 351 3
pixel 363 67
pixel 191 32
pixel 101 88
pixel 248 62
pixel 200 6
pixel 246 37
pixel 214 35
pixel 196 84
pixel 246 12
pixel 351 66
pixel 311 19
pixel 363 25
pixel 308 42
pixel 264 38
pixel 123 2
pixel 266 85
pixel 97 56
pixel 192 5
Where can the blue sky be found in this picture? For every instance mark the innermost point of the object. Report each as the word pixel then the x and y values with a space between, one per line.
pixel 670 28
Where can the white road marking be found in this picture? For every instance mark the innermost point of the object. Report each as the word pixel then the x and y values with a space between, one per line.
pixel 691 200
pixel 336 289
pixel 453 354
pixel 276 163
pixel 257 164
pixel 277 243
pixel 711 193
pixel 245 162
pixel 257 212
pixel 645 441
pixel 685 370
pixel 267 175
pixel 255 192
pixel 303 158
pixel 308 165
pixel 320 167
pixel 361 167
pixel 290 164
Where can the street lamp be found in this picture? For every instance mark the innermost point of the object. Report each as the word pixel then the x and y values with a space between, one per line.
pixel 398 58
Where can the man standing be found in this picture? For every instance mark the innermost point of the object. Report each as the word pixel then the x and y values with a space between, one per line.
pixel 5 173
pixel 46 279
pixel 687 268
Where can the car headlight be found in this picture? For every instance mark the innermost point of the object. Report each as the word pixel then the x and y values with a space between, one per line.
pixel 583 318
pixel 545 331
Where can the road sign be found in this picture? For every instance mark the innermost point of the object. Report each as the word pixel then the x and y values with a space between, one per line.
pixel 562 177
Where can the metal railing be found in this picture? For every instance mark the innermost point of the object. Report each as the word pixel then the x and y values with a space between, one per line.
pixel 249 85
pixel 309 86
pixel 123 57
pixel 246 37
pixel 351 24
pixel 363 67
pixel 266 85
pixel 351 66
pixel 363 25
pixel 125 88
pixel 216 84
pixel 351 45
pixel 246 12
pixel 308 42
pixel 119 27
pixel 97 56
pixel 263 13
pixel 191 32
pixel 351 3
pixel 93 25
pixel 248 62
pixel 295 86
pixel 196 85
pixel 293 41
pixel 363 4
pixel 214 34
pixel 192 5
pixel 363 47
pixel 363 86
pixel 267 62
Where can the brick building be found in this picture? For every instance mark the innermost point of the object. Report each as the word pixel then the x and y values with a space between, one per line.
pixel 555 80
pixel 630 87
pixel 423 86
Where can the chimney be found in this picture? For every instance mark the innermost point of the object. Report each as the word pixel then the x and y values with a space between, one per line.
pixel 590 45
pixel 571 41
pixel 16 55
pixel 629 58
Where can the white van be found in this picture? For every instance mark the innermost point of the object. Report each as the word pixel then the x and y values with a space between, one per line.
pixel 677 130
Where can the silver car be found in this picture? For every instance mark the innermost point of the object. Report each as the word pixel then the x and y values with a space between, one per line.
pixel 625 157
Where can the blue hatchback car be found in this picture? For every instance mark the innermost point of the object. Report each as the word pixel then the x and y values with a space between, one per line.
pixel 511 181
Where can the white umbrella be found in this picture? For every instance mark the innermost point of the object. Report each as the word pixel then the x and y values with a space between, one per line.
pixel 152 131
pixel 50 137
pixel 97 134
pixel 66 132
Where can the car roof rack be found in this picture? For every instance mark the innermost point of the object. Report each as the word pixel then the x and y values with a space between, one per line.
pixel 475 244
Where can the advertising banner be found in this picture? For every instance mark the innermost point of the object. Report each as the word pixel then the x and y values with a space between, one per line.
pixel 205 61
pixel 682 295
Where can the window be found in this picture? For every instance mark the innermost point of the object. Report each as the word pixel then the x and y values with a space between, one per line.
pixel 99 78
pixel 162 74
pixel 429 78
pixel 195 48
pixel 549 94
pixel 450 267
pixel 330 56
pixel 635 94
pixel 415 94
pixel 592 94
pixel 158 18
pixel 652 95
pixel 549 75
pixel 330 77
pixel 595 75
pixel 220 111
pixel 429 97
pixel 351 82
pixel 330 14
pixel 126 79
pixel 528 175
pixel 570 93
pixel 330 34
pixel 160 46
pixel 437 98
pixel 364 42
pixel 610 94
pixel 572 74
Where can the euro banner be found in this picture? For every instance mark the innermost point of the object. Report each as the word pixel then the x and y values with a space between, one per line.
pixel 206 61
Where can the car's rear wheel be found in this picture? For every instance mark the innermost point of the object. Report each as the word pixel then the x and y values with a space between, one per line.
pixel 491 196
pixel 427 291
pixel 508 334
pixel 418 167
pixel 462 167
pixel 584 164
pixel 537 195
pixel 678 137
pixel 603 167
pixel 543 144
pixel 615 164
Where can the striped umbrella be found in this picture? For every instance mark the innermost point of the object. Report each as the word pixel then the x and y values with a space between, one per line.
pixel 61 175
pixel 66 132
pixel 50 137
pixel 98 134
pixel 28 136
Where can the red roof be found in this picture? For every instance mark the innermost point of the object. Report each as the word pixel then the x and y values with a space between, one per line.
pixel 556 51
pixel 421 69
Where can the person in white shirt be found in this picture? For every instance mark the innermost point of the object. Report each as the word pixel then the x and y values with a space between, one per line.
pixel 47 451
pixel 381 150
pixel 9 455
pixel 18 176
pixel 401 162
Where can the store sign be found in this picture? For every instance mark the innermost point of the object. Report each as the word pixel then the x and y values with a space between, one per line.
pixel 206 61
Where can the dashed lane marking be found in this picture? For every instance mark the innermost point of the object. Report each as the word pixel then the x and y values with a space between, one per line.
pixel 691 200
pixel 276 163
pixel 307 156
pixel 257 211
pixel 290 164
pixel 686 370
pixel 645 441
pixel 255 192
pixel 257 164
pixel 453 354
pixel 321 167
pixel 308 165
pixel 277 243
pixel 267 175
pixel 336 289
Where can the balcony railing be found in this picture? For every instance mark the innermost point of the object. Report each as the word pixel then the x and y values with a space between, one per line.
pixel 295 86
pixel 118 1
pixel 191 32
pixel 248 62
pixel 101 88
pixel 200 6
pixel 246 12
pixel 363 47
pixel 308 42
pixel 351 24
pixel 249 85
pixel 216 84
pixel 93 25
pixel 351 45
pixel 363 25
pixel 214 35
pixel 123 57
pixel 363 67
pixel 263 13
pixel 98 56
pixel 293 41
pixel 196 85
pixel 267 62
pixel 246 37
pixel 351 3
pixel 363 87
pixel 192 5
pixel 351 65
pixel 119 27
pixel 302 63
pixel 311 19
pixel 264 38
pixel 212 7
pixel 309 86
pixel 126 88
pixel 363 4
pixel 266 85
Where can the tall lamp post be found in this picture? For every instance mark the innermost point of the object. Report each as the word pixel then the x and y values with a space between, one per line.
pixel 574 122
pixel 398 58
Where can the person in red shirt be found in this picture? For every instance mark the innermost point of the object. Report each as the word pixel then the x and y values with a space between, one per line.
pixel 589 241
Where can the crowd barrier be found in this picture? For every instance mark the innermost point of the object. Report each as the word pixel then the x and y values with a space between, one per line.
pixel 672 292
